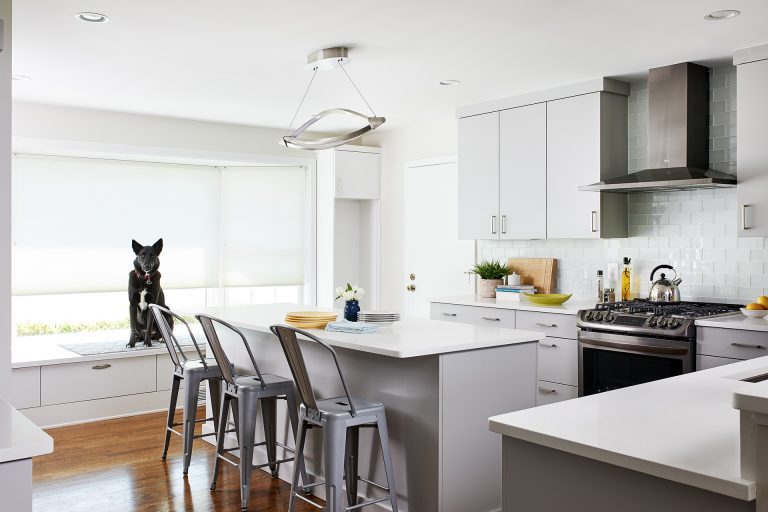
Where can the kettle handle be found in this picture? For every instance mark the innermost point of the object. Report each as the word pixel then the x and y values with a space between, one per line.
pixel 670 267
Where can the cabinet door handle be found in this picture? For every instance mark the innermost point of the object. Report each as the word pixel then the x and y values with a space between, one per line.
pixel 744 216
pixel 493 224
pixel 491 319
pixel 545 390
pixel 503 224
pixel 545 325
pixel 747 345
pixel 449 314
pixel 550 345
pixel 103 366
pixel 594 221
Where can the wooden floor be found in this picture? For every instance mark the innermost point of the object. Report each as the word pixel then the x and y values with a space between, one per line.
pixel 115 466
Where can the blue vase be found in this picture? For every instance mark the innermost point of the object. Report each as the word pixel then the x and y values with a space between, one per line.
pixel 351 309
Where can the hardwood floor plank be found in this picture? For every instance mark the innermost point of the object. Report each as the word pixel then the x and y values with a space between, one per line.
pixel 115 466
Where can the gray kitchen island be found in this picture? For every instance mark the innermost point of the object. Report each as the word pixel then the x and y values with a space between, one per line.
pixel 440 382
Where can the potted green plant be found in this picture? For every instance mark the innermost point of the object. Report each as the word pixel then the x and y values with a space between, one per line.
pixel 491 274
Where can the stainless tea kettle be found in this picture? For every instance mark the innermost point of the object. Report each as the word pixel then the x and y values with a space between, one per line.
pixel 664 290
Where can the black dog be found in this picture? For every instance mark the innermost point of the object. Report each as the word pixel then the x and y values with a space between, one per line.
pixel 144 289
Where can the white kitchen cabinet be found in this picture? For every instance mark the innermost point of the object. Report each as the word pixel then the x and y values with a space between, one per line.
pixel 523 172
pixel 586 143
pixel 551 392
pixel 479 177
pixel 25 387
pixel 707 362
pixel 357 174
pixel 731 343
pixel 473 315
pixel 558 361
pixel 752 150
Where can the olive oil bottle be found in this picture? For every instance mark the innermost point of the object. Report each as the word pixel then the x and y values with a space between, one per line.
pixel 626 278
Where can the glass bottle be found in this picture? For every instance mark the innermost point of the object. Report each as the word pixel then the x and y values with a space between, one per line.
pixel 600 297
pixel 626 279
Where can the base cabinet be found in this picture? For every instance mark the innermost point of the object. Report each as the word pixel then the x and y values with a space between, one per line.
pixel 551 392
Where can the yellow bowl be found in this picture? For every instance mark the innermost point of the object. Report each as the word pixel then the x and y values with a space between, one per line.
pixel 548 299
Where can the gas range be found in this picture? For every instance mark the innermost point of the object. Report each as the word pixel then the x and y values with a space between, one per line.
pixel 661 319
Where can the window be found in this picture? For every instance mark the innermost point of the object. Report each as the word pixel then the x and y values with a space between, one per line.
pixel 232 235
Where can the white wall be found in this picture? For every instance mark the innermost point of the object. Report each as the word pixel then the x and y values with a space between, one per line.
pixel 5 203
pixel 437 137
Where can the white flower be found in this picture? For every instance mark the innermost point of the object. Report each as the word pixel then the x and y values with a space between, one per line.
pixel 359 292
pixel 348 295
pixel 340 290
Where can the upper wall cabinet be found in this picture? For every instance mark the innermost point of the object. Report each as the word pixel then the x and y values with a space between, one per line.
pixel 752 150
pixel 356 172
pixel 520 167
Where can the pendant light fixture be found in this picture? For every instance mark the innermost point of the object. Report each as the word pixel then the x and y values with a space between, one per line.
pixel 329 58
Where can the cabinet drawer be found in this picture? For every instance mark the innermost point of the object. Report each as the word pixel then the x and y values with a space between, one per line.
pixel 549 392
pixel 706 362
pixel 732 343
pixel 561 326
pixel 75 382
pixel 473 315
pixel 558 361
pixel 25 387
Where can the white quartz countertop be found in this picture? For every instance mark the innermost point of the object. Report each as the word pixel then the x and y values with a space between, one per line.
pixel 683 429
pixel 407 338
pixel 735 321
pixel 571 307
pixel 19 437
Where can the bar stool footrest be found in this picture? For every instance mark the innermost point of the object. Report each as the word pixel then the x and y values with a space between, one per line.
pixel 366 503
pixel 307 500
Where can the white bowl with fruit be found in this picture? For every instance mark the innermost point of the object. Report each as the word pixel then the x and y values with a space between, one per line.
pixel 757 309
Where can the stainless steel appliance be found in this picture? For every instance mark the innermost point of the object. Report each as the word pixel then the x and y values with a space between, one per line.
pixel 664 290
pixel 627 343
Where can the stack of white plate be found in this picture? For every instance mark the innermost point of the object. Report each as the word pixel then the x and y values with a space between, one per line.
pixel 379 318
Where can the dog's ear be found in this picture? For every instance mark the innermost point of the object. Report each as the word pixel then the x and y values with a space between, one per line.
pixel 137 247
pixel 157 247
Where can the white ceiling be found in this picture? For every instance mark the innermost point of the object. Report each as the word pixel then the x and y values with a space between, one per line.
pixel 242 61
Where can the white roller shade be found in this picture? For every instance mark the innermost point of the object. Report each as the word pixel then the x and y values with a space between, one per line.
pixel 263 226
pixel 73 221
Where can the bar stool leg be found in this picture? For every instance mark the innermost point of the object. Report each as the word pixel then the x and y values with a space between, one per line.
pixel 191 393
pixel 298 458
pixel 334 438
pixel 248 408
pixel 171 413
pixel 269 416
pixel 351 462
pixel 387 456
pixel 214 391
pixel 221 433
pixel 301 436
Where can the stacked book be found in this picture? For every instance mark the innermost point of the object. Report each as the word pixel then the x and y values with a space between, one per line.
pixel 508 292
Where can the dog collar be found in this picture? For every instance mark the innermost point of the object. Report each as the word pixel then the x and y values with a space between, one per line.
pixel 146 277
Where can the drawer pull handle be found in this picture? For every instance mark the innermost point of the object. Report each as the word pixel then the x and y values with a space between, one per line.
pixel 449 314
pixel 491 319
pixel 545 325
pixel 101 366
pixel 545 390
pixel 553 345
pixel 747 345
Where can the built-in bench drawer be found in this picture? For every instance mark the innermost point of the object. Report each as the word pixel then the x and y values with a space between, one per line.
pixel 733 343
pixel 558 361
pixel 550 392
pixel 553 324
pixel 473 315
pixel 75 382
pixel 25 387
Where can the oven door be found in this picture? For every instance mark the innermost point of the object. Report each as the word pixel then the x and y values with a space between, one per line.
pixel 611 361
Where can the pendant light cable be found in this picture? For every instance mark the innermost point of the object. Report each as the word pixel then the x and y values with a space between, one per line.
pixel 341 65
pixel 314 74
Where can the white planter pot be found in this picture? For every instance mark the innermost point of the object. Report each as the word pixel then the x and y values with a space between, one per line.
pixel 487 287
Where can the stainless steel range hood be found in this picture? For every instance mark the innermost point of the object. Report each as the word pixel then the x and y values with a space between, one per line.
pixel 678 132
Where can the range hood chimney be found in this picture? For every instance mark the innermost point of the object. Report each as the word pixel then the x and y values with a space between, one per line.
pixel 678 133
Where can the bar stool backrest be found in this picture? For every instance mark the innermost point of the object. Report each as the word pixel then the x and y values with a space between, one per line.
pixel 292 349
pixel 171 343
pixel 228 371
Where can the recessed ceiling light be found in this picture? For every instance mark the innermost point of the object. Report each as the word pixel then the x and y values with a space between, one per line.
pixel 449 82
pixel 92 17
pixel 722 15
pixel 21 77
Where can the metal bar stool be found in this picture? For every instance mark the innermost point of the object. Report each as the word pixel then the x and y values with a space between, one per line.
pixel 248 392
pixel 193 372
pixel 340 418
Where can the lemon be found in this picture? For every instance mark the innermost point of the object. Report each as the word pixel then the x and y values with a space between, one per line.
pixel 754 306
pixel 763 301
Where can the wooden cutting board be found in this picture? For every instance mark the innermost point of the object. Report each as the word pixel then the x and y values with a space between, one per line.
pixel 539 272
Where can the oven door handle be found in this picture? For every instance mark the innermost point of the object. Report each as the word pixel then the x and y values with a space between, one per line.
pixel 633 347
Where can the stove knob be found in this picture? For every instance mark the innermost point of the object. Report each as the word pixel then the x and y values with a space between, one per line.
pixel 599 316
pixel 653 321
pixel 663 322
pixel 610 317
pixel 674 324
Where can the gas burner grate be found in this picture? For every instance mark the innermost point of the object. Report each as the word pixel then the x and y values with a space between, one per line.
pixel 682 309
